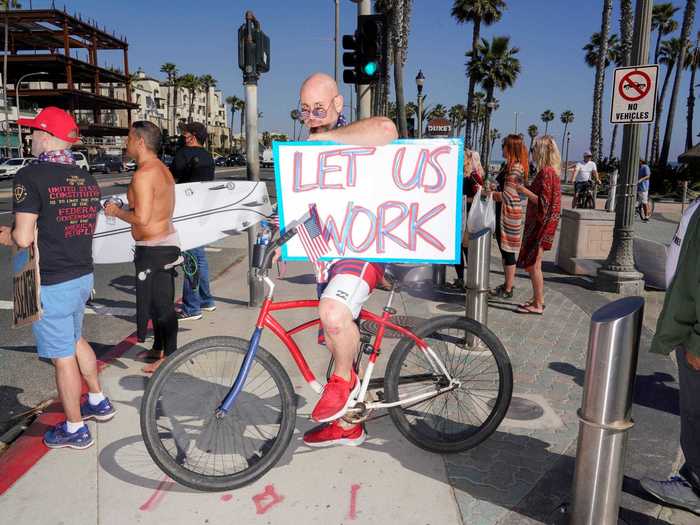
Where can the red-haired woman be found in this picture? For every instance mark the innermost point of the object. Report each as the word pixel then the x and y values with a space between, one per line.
pixel 544 195
pixel 509 211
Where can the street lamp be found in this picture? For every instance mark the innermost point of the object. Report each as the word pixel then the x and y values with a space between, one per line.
pixel 19 127
pixel 420 80
pixel 516 122
pixel 491 105
pixel 566 157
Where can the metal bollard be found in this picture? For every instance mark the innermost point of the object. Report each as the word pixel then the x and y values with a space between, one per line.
pixel 604 417
pixel 439 271
pixel 477 278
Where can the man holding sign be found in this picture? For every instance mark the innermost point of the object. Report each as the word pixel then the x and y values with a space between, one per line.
pixel 346 284
pixel 59 200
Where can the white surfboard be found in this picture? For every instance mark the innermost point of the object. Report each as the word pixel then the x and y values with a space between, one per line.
pixel 204 213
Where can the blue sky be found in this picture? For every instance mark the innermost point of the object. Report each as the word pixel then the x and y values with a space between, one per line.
pixel 200 37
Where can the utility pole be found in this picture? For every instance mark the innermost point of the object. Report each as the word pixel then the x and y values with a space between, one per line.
pixel 516 122
pixel 364 91
pixel 253 59
pixel 618 274
pixel 337 41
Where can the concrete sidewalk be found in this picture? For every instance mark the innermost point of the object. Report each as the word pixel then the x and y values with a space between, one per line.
pixel 522 474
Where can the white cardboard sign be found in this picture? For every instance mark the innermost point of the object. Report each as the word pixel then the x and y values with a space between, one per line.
pixel 395 203
pixel 634 94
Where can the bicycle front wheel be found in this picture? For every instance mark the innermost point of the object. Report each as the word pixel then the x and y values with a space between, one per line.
pixel 182 432
pixel 462 418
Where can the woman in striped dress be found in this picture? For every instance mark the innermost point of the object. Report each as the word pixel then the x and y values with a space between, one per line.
pixel 509 212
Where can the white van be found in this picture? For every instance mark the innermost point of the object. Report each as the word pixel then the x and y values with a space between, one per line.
pixel 267 160
pixel 80 160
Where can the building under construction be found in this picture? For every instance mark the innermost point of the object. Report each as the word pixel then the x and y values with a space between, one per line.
pixel 55 57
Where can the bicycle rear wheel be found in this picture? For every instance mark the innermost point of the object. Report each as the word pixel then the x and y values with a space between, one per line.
pixel 462 418
pixel 178 415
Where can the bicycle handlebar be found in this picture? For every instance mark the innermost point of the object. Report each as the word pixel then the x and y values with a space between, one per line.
pixel 279 241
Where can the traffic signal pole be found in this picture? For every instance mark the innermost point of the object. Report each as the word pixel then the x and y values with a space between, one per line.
pixel 364 91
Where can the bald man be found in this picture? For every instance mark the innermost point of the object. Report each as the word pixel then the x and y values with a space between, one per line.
pixel 343 285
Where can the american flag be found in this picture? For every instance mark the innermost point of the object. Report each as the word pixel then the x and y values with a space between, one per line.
pixel 311 236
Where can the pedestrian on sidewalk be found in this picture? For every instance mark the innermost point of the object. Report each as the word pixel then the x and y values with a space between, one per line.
pixel 643 179
pixel 343 285
pixel 473 181
pixel 64 226
pixel 509 211
pixel 151 197
pixel 678 330
pixel 193 163
pixel 542 218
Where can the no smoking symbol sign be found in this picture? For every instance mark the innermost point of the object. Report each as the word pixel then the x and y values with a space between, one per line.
pixel 634 86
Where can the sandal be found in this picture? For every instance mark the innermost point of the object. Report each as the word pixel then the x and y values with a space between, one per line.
pixel 531 302
pixel 500 291
pixel 529 309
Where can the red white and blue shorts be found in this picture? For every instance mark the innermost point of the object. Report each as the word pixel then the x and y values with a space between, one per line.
pixel 351 281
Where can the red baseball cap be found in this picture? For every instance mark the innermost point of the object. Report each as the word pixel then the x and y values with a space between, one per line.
pixel 55 121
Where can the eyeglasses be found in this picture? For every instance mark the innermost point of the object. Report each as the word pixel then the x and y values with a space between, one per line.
pixel 318 113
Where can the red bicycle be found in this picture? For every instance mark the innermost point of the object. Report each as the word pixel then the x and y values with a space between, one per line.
pixel 220 412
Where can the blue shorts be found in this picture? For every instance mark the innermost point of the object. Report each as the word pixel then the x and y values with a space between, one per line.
pixel 61 323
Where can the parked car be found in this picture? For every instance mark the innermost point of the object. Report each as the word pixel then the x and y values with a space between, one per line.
pixel 10 167
pixel 81 161
pixel 267 159
pixel 130 165
pixel 167 160
pixel 107 164
pixel 220 161
pixel 235 159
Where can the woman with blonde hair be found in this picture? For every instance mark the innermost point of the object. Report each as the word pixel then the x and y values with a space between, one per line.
pixel 473 180
pixel 509 212
pixel 544 208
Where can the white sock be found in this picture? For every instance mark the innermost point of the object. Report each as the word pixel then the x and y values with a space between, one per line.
pixel 95 398
pixel 71 428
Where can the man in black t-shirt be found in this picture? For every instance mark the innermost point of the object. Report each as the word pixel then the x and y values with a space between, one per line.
pixel 60 201
pixel 193 163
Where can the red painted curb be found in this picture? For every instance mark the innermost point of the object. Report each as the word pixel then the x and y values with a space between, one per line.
pixel 29 448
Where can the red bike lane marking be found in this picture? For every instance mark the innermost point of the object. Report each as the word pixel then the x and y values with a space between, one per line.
pixel 29 448
pixel 152 503
pixel 261 505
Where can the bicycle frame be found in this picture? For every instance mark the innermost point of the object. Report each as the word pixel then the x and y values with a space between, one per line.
pixel 266 320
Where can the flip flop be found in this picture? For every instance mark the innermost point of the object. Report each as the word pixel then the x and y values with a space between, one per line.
pixel 528 310
pixel 529 303
pixel 148 356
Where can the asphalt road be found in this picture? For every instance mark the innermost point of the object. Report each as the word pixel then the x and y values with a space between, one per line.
pixel 26 381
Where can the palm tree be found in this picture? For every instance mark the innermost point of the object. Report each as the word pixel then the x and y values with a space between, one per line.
pixel 618 52
pixel 663 23
pixel 439 111
pixel 693 62
pixel 494 136
pixel 626 28
pixel 479 102
pixel 232 101
pixel 455 115
pixel 598 56
pixel 399 15
pixel 567 117
pixel 192 84
pixel 207 82
pixel 170 70
pixel 547 116
pixel 688 20
pixel 478 12
pixel 494 66
pixel 532 133
pixel 240 106
pixel 668 56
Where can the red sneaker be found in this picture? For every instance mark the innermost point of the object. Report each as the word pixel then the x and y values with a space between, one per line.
pixel 336 398
pixel 334 434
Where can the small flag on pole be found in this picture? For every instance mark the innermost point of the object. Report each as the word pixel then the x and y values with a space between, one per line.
pixel 311 236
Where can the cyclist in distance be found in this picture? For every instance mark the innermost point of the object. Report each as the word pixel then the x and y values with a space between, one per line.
pixel 343 285
pixel 584 172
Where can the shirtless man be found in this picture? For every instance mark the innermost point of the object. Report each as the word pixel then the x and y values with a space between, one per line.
pixel 346 284
pixel 151 197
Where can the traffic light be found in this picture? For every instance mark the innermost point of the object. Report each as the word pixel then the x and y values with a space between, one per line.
pixel 253 49
pixel 365 50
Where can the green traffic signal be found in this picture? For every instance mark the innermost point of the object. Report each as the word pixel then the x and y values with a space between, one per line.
pixel 370 68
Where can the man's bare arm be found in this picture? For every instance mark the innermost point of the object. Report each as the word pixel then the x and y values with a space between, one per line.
pixel 374 131
pixel 144 196
pixel 23 232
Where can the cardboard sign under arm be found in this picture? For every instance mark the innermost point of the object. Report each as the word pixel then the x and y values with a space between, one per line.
pixel 27 286
pixel 395 203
